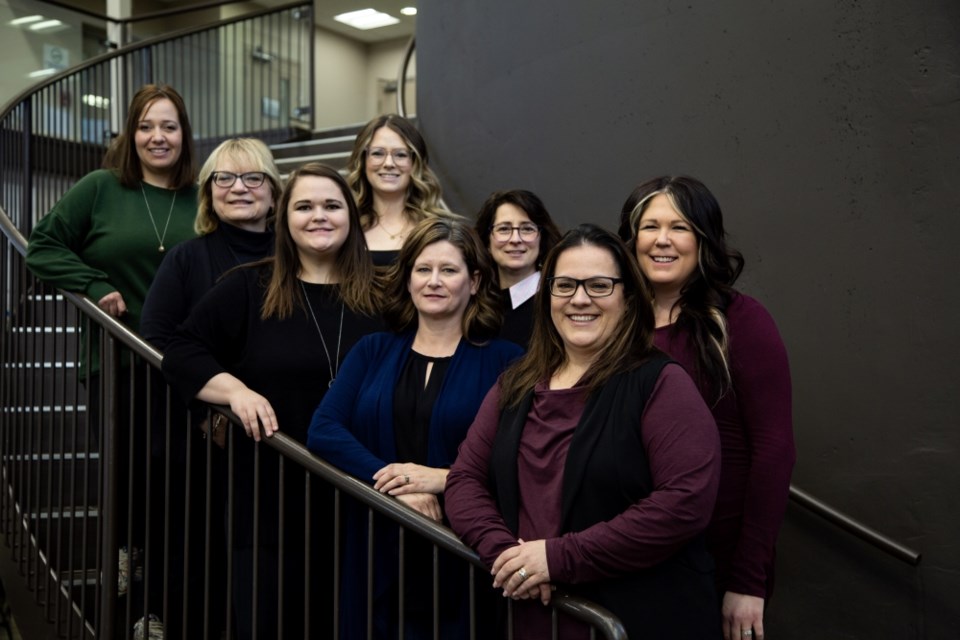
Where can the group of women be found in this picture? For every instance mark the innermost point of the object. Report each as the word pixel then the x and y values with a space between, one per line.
pixel 598 412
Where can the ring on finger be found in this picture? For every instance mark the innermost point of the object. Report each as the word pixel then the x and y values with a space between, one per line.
pixel 522 572
pixel 406 479
pixel 746 633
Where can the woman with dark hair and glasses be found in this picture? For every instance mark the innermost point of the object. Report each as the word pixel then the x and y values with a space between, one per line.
pixel 593 464
pixel 268 340
pixel 729 343
pixel 390 175
pixel 519 233
pixel 401 407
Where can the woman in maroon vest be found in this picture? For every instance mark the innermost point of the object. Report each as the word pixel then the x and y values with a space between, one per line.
pixel 594 463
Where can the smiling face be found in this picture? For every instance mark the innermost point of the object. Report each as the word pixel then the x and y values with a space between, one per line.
pixel 666 246
pixel 239 204
pixel 384 174
pixel 586 324
pixel 158 141
pixel 440 283
pixel 317 217
pixel 516 258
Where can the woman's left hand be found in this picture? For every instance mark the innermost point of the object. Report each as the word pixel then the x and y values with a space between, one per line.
pixel 742 617
pixel 403 478
pixel 520 569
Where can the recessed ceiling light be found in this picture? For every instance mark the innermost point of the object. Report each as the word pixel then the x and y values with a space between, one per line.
pixel 41 73
pixel 409 11
pixel 366 19
pixel 46 24
pixel 24 20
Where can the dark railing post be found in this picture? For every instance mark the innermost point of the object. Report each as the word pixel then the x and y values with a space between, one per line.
pixel 109 382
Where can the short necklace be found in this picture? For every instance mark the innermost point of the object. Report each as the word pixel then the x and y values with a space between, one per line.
pixel 398 234
pixel 333 365
pixel 160 238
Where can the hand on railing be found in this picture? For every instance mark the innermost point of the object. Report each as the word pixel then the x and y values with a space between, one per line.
pixel 401 478
pixel 425 504
pixel 522 568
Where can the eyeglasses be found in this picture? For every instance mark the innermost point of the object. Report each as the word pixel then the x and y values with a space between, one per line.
pixel 401 157
pixel 504 231
pixel 596 287
pixel 251 179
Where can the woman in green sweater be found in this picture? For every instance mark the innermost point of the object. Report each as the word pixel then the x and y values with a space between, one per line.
pixel 105 239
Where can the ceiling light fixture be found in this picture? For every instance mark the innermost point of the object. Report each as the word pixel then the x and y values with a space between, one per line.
pixel 409 11
pixel 366 19
pixel 42 73
pixel 24 20
pixel 98 102
pixel 46 24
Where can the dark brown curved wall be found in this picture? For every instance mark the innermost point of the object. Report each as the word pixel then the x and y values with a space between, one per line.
pixel 830 132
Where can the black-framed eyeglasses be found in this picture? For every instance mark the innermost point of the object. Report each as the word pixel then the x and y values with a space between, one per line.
pixel 596 287
pixel 504 231
pixel 250 179
pixel 401 157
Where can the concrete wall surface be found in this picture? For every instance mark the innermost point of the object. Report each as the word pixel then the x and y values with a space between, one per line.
pixel 830 132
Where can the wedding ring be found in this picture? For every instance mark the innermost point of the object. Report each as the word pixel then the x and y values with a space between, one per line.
pixel 522 573
pixel 746 633
pixel 406 479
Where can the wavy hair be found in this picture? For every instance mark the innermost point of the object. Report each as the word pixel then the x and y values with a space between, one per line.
pixel 481 319
pixel 530 204
pixel 122 155
pixel 354 267
pixel 423 194
pixel 243 152
pixel 628 347
pixel 706 294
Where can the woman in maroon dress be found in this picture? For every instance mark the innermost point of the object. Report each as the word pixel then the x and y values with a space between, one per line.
pixel 730 345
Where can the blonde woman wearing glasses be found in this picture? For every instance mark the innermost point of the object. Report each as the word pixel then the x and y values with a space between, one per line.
pixel 518 232
pixel 393 183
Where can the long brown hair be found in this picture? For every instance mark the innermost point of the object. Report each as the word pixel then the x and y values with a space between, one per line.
pixel 706 294
pixel 423 194
pixel 122 154
pixel 353 265
pixel 628 347
pixel 481 319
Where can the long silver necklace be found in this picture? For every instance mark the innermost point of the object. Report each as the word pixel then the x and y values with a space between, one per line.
pixel 160 238
pixel 333 364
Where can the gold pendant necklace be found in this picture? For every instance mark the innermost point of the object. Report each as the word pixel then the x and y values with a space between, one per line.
pixel 160 238
pixel 393 236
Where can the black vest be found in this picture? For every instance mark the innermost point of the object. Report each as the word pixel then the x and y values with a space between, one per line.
pixel 605 472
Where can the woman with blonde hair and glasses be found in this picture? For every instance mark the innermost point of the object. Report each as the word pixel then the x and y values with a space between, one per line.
pixel 390 174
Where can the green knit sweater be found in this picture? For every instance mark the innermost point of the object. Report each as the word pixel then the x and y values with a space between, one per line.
pixel 99 238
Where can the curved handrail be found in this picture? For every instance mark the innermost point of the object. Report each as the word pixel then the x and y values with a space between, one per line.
pixel 402 77
pixel 153 15
pixel 127 49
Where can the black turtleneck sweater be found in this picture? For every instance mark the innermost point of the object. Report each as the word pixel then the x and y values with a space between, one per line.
pixel 190 270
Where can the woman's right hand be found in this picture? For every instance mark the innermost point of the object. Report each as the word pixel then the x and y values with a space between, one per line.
pixel 253 410
pixel 113 304
pixel 423 503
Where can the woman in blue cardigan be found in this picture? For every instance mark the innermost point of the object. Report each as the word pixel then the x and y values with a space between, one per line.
pixel 400 408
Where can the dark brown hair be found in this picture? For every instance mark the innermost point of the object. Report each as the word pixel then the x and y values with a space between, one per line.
pixel 628 347
pixel 353 263
pixel 529 203
pixel 706 294
pixel 122 154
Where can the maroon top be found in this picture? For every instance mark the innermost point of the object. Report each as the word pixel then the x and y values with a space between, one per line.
pixel 756 433
pixel 679 436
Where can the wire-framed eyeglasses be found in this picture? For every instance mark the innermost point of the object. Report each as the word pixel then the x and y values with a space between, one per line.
pixel 250 179
pixel 596 287
pixel 504 231
pixel 401 157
